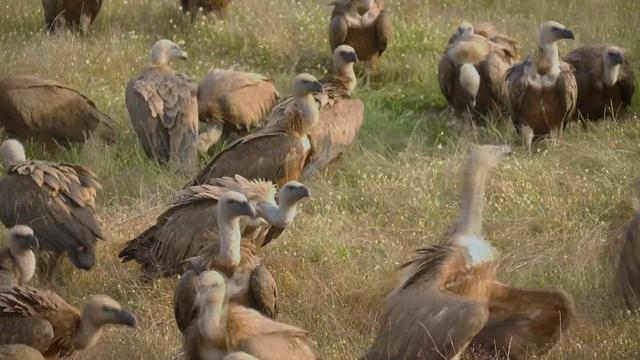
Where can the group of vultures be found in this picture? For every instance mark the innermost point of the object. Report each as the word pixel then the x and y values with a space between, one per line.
pixel 446 302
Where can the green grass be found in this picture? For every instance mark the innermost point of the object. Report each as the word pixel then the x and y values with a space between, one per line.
pixel 556 216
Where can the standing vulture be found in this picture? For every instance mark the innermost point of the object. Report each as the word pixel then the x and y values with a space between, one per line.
pixel 57 200
pixel 220 7
pixel 44 321
pixel 233 101
pixel 19 352
pixel 277 154
pixel 17 260
pixel 340 116
pixel 43 109
pixel 606 81
pixel 163 108
pixel 212 327
pixel 448 297
pixel 364 25
pixel 471 71
pixel 542 91
pixel 76 14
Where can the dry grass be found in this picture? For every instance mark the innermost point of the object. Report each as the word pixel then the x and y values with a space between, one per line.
pixel 555 216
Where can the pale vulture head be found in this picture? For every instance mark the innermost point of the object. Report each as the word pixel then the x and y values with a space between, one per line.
pixel 344 55
pixel 102 310
pixel 12 152
pixel 292 193
pixel 551 31
pixel 465 28
pixel 239 356
pixel 613 59
pixel 164 50
pixel 306 84
pixel 233 205
pixel 21 238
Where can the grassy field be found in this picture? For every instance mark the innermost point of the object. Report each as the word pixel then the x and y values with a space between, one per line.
pixel 556 216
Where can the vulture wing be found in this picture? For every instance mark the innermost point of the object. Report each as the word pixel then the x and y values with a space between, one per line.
pixel 627 83
pixel 567 89
pixel 264 291
pixel 516 83
pixel 384 30
pixel 7 268
pixel 338 29
pixel 33 107
pixel 19 352
pixel 185 299
pixel 447 77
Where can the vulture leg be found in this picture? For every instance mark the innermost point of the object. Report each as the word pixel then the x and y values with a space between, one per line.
pixel 209 137
pixel 527 136
pixel 85 21
pixel 369 68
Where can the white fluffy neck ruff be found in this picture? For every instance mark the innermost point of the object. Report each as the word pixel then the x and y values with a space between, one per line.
pixel 478 249
pixel 470 79
pixel 611 73
pixel 230 237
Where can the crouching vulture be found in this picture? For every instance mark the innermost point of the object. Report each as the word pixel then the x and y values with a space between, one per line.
pixel 542 91
pixel 163 108
pixel 233 101
pixel 448 301
pixel 44 321
pixel 31 107
pixel 606 81
pixel 17 260
pixel 57 200
pixel 364 25
pixel 277 154
pixel 212 327
pixel 74 14
pixel 471 71
pixel 340 116
pixel 19 352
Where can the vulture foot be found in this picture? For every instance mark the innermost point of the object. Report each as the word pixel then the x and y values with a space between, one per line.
pixel 527 137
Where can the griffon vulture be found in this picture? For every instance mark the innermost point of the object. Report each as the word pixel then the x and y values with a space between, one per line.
pixel 276 154
pixel 606 81
pixel 76 14
pixel 163 108
pixel 364 25
pixel 340 116
pixel 542 91
pixel 57 200
pixel 44 321
pixel 17 260
pixel 448 297
pixel 219 7
pixel 215 327
pixel 471 71
pixel 233 101
pixel 31 107
pixel 19 352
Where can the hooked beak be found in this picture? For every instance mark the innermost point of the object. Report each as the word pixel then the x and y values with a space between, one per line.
pixel 316 87
pixel 33 243
pixel 616 58
pixel 350 57
pixel 124 317
pixel 305 193
pixel 249 211
pixel 183 55
pixel 565 34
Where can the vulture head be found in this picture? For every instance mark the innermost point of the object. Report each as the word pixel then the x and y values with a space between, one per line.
pixel 343 56
pixel 239 356
pixel 613 58
pixel 551 31
pixel 12 152
pixel 102 310
pixel 293 192
pixel 83 257
pixel 21 238
pixel 233 205
pixel 464 29
pixel 306 84
pixel 364 5
pixel 164 50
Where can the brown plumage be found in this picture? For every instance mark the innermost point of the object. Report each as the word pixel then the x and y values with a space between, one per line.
pixel 629 265
pixel 233 101
pixel 277 154
pixel 17 260
pixel 215 327
pixel 74 14
pixel 447 296
pixel 44 321
pixel 606 81
pixel 163 108
pixel 364 25
pixel 48 111
pixel 542 91
pixel 19 352
pixel 219 7
pixel 57 200
pixel 471 71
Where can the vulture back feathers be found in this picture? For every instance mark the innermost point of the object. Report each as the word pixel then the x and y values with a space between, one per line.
pixel 45 110
pixel 76 14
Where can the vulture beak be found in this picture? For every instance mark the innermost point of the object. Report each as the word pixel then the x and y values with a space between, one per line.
pixel 183 55
pixel 248 210
pixel 316 87
pixel 350 57
pixel 32 243
pixel 616 58
pixel 125 317
pixel 305 192
pixel 565 34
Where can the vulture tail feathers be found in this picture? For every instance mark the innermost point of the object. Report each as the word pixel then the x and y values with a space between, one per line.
pixel 140 248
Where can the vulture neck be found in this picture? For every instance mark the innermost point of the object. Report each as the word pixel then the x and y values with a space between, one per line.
pixel 475 178
pixel 347 75
pixel 230 237
pixel 280 215
pixel 212 322
pixel 309 113
pixel 611 73
pixel 25 261
pixel 87 332
pixel 548 59
pixel 159 59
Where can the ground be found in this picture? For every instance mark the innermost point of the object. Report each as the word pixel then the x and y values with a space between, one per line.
pixel 556 216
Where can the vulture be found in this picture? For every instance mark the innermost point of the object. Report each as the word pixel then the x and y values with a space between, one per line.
pixel 542 91
pixel 340 116
pixel 364 25
pixel 17 260
pixel 31 107
pixel 447 297
pixel 276 154
pixel 57 200
pixel 163 108
pixel 212 327
pixel 44 321
pixel 220 7
pixel 471 71
pixel 629 265
pixel 74 14
pixel 239 356
pixel 19 352
pixel 233 101
pixel 606 81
